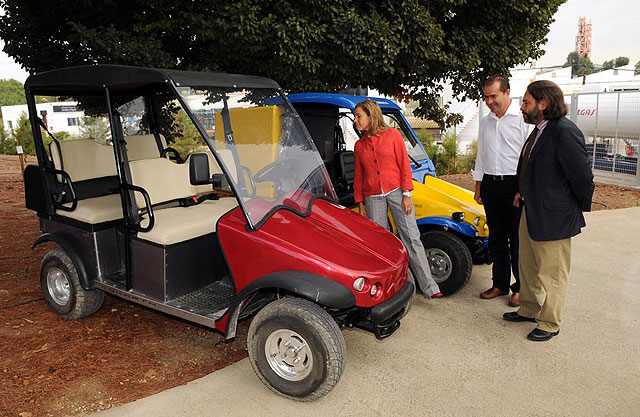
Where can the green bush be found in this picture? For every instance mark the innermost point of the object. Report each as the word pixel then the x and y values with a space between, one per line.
pixel 24 135
pixel 96 128
pixel 467 161
pixel 449 160
pixel 429 143
pixel 7 147
pixel 185 137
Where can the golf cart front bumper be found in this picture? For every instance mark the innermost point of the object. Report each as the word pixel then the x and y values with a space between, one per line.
pixel 384 319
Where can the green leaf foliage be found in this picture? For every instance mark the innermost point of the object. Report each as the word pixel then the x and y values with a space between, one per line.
pixel 95 128
pixel 7 144
pixel 448 159
pixel 621 61
pixel 400 47
pixel 11 93
pixel 615 63
pixel 580 65
pixel 185 137
pixel 24 135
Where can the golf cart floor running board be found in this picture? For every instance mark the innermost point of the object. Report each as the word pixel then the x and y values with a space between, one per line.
pixel 211 301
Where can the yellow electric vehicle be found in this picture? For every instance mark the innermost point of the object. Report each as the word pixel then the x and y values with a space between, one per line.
pixel 453 226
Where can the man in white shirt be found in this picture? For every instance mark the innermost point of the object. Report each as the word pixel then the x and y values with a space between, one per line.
pixel 500 139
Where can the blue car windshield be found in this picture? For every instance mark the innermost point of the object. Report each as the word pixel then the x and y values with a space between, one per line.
pixel 392 119
pixel 413 148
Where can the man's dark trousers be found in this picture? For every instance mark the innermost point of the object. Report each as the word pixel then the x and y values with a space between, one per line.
pixel 497 193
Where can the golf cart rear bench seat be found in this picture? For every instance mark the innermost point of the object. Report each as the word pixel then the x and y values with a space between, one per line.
pixel 166 181
pixel 96 210
pixel 85 160
pixel 143 146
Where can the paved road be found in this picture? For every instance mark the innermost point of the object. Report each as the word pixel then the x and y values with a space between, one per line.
pixel 457 357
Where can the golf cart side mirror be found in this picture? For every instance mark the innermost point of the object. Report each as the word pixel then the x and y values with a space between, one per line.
pixel 199 169
pixel 220 182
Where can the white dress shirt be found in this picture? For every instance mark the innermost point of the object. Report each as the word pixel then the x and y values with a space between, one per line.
pixel 500 142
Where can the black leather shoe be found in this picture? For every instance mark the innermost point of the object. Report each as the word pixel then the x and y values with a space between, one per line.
pixel 538 335
pixel 514 316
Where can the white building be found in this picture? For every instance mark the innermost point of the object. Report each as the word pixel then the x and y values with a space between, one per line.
pixel 617 79
pixel 61 116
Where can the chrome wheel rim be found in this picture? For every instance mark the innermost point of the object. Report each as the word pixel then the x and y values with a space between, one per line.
pixel 58 286
pixel 288 355
pixel 439 263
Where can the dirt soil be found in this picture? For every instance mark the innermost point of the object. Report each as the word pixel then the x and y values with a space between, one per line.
pixel 54 367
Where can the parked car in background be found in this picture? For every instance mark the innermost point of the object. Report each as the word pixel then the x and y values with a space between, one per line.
pixel 453 226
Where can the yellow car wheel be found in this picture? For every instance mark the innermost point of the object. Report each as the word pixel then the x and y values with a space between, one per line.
pixel 449 260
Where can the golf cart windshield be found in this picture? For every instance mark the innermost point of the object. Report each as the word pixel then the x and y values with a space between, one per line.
pixel 267 153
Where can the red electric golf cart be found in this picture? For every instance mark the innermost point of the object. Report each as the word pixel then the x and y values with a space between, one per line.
pixel 203 196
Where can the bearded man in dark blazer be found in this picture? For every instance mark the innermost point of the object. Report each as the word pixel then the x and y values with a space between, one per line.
pixel 555 187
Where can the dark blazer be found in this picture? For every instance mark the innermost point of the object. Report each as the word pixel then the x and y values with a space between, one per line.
pixel 558 182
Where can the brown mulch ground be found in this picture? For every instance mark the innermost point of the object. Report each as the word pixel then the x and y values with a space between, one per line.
pixel 54 367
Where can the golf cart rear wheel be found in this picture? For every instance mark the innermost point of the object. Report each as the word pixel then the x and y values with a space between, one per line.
pixel 449 260
pixel 62 290
pixel 296 349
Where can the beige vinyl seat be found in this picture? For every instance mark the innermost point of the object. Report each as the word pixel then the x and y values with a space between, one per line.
pixel 166 181
pixel 85 159
pixel 143 146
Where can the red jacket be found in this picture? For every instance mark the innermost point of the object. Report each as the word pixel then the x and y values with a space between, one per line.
pixel 382 165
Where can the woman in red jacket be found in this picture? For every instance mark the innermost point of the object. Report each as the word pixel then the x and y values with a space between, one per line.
pixel 383 181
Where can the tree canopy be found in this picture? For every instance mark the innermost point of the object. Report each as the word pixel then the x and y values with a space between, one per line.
pixel 579 64
pixel 615 63
pixel 401 48
pixel 11 93
pixel 621 61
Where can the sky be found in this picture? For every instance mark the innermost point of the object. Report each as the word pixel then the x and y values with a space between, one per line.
pixel 614 34
pixel 613 31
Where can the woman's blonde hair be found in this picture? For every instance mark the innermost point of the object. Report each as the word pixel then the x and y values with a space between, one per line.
pixel 376 123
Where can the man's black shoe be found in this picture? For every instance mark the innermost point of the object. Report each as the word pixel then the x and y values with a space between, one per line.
pixel 538 335
pixel 514 316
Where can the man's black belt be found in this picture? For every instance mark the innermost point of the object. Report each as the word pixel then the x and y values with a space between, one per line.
pixel 500 177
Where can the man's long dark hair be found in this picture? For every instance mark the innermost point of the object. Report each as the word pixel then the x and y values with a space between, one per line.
pixel 547 90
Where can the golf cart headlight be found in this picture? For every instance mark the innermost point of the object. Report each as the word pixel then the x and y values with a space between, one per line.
pixel 476 221
pixel 458 216
pixel 358 284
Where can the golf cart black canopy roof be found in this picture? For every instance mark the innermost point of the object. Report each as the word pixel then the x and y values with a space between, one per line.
pixel 94 78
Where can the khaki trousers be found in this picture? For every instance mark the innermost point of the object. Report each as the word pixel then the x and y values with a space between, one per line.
pixel 544 274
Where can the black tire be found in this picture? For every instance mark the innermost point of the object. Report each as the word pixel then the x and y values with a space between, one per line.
pixel 303 325
pixel 62 290
pixel 449 260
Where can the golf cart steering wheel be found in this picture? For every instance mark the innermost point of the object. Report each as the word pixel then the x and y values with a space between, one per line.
pixel 270 171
